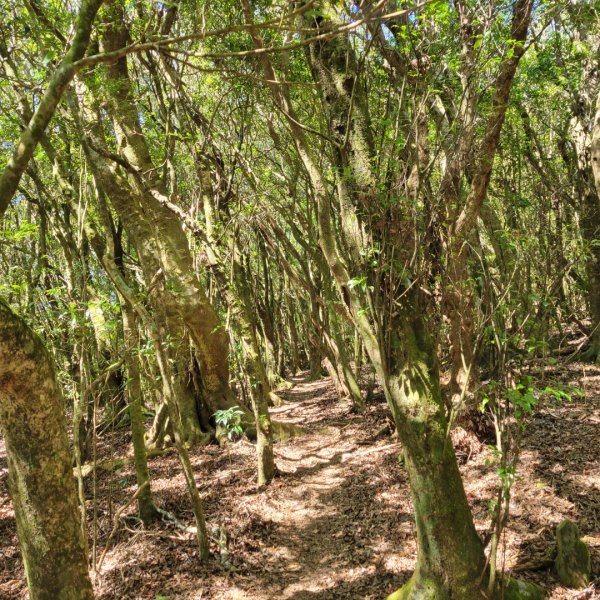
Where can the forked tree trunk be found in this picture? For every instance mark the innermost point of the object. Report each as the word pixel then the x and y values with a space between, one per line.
pixel 156 230
pixel 32 414
pixel 172 310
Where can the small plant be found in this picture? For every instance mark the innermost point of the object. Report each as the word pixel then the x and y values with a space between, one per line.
pixel 231 421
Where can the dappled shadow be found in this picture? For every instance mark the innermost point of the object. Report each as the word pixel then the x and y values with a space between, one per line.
pixel 335 524
pixel 560 471
pixel 339 550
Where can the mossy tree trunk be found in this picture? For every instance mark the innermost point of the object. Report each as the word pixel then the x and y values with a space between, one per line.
pixel 32 411
pixel 165 291
pixel 257 375
pixel 592 229
pixel 451 561
pixel 294 342
pixel 155 227
pixel 170 392
pixel 32 414
pixel 590 226
pixel 339 346
pixel 146 508
pixel 233 284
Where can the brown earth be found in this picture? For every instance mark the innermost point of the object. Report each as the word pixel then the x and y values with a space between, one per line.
pixel 336 524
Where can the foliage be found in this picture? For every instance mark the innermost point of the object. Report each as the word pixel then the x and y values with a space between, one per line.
pixel 231 421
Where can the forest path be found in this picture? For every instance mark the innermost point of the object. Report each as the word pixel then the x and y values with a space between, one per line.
pixel 340 499
pixel 336 524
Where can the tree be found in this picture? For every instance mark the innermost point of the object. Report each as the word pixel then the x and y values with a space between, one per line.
pixel 39 466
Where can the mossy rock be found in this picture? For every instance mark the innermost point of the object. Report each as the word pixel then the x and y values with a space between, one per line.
pixel 517 589
pixel 275 399
pixel 282 432
pixel 419 589
pixel 573 564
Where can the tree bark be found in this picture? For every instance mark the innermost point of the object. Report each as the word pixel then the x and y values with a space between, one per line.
pixel 591 224
pixel 459 290
pixel 236 293
pixel 451 559
pixel 146 508
pixel 181 296
pixel 32 414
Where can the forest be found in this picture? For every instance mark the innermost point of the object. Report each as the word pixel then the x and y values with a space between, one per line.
pixel 300 299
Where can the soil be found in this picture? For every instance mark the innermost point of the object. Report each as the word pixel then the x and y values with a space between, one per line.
pixel 337 521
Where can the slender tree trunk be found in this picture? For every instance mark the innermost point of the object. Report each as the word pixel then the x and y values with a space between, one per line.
pixel 343 360
pixel 32 414
pixel 170 395
pixel 236 292
pixel 293 331
pixel 36 128
pixel 146 507
pixel 160 429
pixel 315 353
pixel 592 227
pixel 259 383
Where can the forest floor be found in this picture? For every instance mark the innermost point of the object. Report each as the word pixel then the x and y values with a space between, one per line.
pixel 336 523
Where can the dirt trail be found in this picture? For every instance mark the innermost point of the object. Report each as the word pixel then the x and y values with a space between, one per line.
pixel 337 523
pixel 336 506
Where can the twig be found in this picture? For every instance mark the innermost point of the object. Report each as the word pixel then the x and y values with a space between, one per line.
pixel 116 522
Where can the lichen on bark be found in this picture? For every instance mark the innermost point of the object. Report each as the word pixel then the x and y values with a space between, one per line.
pixel 32 415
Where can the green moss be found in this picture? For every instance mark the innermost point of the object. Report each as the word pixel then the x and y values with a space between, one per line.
pixel 419 588
pixel 573 564
pixel 517 589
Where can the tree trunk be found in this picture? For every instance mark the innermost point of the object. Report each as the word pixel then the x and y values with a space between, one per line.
pixel 254 368
pixel 174 291
pixel 460 308
pixel 592 227
pixel 156 229
pixel 41 481
pixel 236 293
pixel 170 394
pixel 315 353
pixel 146 507
pixel 341 355
pixel 451 561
